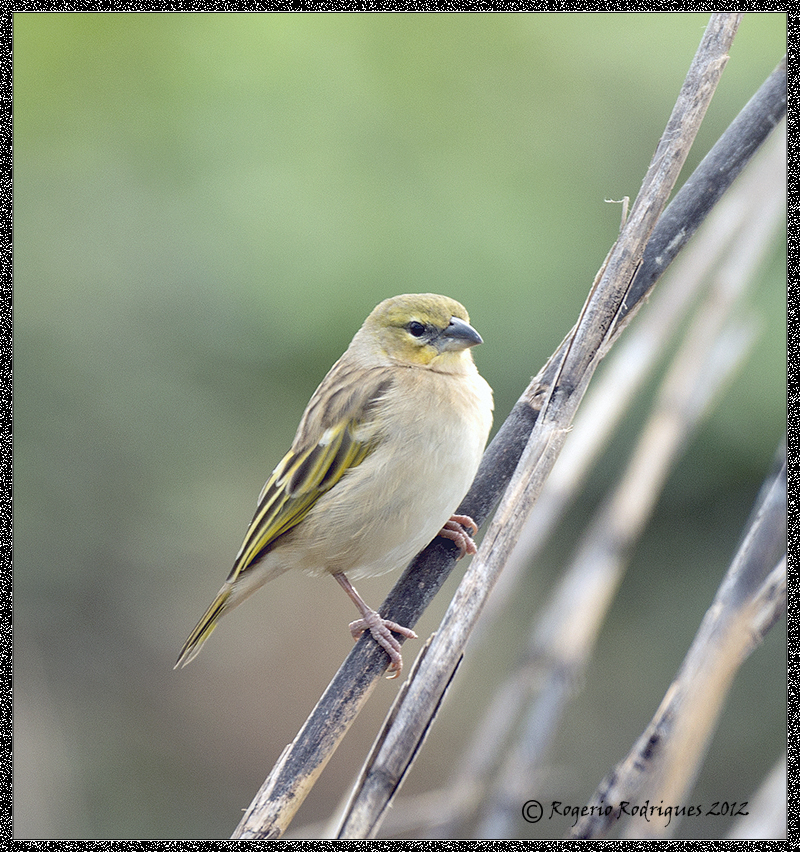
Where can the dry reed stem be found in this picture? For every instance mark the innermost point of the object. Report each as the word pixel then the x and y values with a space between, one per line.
pixel 300 764
pixel 663 762
pixel 602 319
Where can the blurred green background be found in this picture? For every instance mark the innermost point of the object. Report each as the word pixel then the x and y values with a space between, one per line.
pixel 206 208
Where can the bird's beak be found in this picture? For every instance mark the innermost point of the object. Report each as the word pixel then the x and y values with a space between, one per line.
pixel 457 335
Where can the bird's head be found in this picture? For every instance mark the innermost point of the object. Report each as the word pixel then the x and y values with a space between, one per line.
pixel 420 330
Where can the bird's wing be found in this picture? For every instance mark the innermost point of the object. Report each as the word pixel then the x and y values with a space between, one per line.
pixel 337 432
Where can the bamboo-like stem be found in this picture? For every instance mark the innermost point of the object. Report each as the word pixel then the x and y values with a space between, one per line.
pixel 302 761
pixel 563 637
pixel 767 808
pixel 732 242
pixel 557 393
pixel 741 216
pixel 663 762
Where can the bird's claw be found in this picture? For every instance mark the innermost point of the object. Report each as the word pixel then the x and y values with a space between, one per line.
pixel 381 630
pixel 454 530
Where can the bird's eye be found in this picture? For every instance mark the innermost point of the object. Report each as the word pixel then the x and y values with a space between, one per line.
pixel 416 329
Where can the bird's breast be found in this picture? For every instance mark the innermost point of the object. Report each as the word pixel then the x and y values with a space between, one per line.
pixel 431 433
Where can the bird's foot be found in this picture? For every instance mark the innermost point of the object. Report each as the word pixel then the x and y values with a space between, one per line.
pixel 455 530
pixel 381 630
pixel 379 627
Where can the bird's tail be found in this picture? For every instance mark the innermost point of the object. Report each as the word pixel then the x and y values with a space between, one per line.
pixel 191 647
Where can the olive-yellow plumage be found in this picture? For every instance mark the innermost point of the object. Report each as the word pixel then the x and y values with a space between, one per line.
pixel 386 449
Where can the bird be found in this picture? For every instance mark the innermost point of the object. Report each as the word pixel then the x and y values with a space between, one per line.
pixel 386 449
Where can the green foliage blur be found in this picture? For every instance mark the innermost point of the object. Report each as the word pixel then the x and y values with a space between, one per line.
pixel 206 208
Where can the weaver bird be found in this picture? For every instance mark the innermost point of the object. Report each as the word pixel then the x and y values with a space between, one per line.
pixel 386 449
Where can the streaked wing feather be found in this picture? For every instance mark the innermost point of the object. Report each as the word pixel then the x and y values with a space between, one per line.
pixel 330 440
